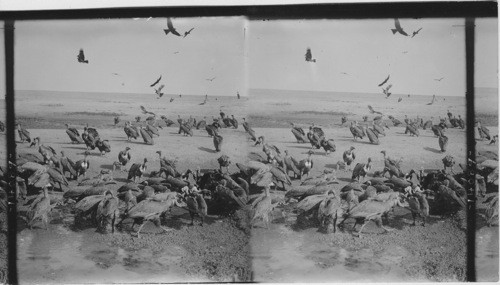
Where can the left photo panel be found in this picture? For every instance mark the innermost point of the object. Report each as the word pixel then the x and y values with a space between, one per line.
pixel 127 132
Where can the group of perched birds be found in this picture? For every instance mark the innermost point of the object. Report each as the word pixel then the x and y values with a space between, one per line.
pixel 258 186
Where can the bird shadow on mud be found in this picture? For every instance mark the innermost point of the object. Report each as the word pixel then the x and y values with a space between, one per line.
pixel 107 166
pixel 432 149
pixel 207 149
pixel 74 147
pixel 299 146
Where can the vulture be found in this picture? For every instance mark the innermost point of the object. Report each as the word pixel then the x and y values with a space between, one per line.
pixel 170 28
pixel 309 56
pixel 131 131
pixel 196 206
pixel 146 136
pixel 103 146
pixel 361 169
pixel 383 82
pixel 201 124
pixel 156 82
pixel 419 206
pixel 315 136
pixel 414 34
pixel 211 130
pixel 356 131
pixel 82 165
pixel 137 170
pixel 378 129
pixel 24 135
pixel 443 142
pixel 81 57
pixel 349 156
pixel 398 28
pixel 372 136
pixel 73 134
pixel 328 145
pixel 123 158
pixel 412 130
pixel 218 139
pixel 299 133
pixel 188 32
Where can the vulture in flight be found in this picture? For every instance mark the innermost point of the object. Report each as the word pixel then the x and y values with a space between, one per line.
pixel 144 111
pixel 81 57
pixel 385 80
pixel 398 28
pixel 156 82
pixel 188 32
pixel 171 28
pixel 415 32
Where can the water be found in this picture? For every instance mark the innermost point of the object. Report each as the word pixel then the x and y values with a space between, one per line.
pixel 487 249
pixel 63 256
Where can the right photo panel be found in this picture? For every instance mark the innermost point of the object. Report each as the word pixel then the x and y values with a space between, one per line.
pixel 362 125
pixel 486 138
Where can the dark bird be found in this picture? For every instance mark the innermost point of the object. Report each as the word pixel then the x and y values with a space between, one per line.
pixel 81 57
pixel 73 134
pixel 171 99
pixel 361 169
pixel 373 111
pixel 349 156
pixel 385 80
pixel 439 79
pixel 386 91
pixel 171 28
pixel 196 206
pixel 146 136
pixel 103 146
pixel 443 142
pixel 137 170
pixel 210 79
pixel 107 212
pixel 144 111
pixel 39 209
pixel 131 131
pixel 398 28
pixel 218 139
pixel 299 133
pixel 356 131
pixel 372 136
pixel 416 32
pixel 328 145
pixel 188 32
pixel 24 135
pixel 82 165
pixel 309 56
pixel 158 91
pixel 400 99
pixel 156 82
pixel 123 158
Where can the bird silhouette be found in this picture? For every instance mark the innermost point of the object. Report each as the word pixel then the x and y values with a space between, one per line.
pixel 156 82
pixel 398 28
pixel 176 52
pixel 309 56
pixel 439 79
pixel 144 111
pixel 400 99
pixel 386 91
pixel 210 79
pixel 171 28
pixel 416 32
pixel 158 91
pixel 81 57
pixel 188 32
pixel 171 99
pixel 385 80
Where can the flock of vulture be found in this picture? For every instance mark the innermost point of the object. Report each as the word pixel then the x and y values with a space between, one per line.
pixel 259 186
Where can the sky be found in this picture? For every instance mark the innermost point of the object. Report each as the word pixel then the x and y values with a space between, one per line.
pixel 137 50
pixel 244 54
pixel 368 52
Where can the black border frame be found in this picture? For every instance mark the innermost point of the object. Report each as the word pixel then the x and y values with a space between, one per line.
pixel 469 10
